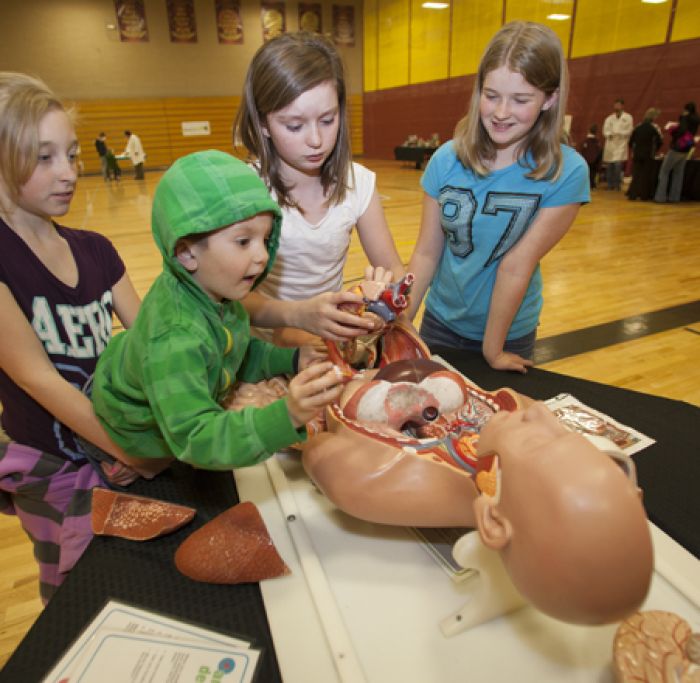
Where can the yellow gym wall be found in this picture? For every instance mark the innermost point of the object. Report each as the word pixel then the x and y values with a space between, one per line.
pixel 406 43
pixel 420 63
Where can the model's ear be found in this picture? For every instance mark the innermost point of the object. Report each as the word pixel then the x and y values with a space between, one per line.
pixel 264 128
pixel 494 528
pixel 551 100
pixel 186 256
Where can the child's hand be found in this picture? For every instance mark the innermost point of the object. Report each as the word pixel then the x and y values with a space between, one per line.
pixel 311 390
pixel 509 361
pixel 118 473
pixel 323 315
pixel 310 354
pixel 378 274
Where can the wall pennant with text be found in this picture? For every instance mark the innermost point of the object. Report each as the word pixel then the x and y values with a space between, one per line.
pixel 131 18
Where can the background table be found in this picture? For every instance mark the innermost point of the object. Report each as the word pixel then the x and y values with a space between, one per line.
pixel 144 573
pixel 419 155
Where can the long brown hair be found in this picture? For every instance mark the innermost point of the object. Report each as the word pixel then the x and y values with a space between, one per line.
pixel 534 51
pixel 281 70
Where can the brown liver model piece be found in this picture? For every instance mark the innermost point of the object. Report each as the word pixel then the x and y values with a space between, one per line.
pixel 135 518
pixel 234 547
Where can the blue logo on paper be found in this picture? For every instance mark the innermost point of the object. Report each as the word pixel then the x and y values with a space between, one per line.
pixel 227 665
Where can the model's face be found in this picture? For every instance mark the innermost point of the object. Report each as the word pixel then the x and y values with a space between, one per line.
pixel 304 132
pixel 519 441
pixel 228 262
pixel 618 108
pixel 49 190
pixel 509 107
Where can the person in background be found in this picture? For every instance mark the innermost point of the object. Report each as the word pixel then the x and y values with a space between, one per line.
pixel 592 152
pixel 58 289
pixel 673 166
pixel 498 197
pixel 645 143
pixel 293 120
pixel 617 129
pixel 101 147
pixel 134 150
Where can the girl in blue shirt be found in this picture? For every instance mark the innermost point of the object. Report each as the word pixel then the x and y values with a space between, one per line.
pixel 498 197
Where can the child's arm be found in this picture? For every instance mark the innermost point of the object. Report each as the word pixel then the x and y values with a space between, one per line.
pixel 23 358
pixel 125 300
pixel 512 280
pixel 376 238
pixel 426 253
pixel 319 315
pixel 201 432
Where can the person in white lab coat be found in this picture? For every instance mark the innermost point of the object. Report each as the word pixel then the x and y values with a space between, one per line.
pixel 617 130
pixel 134 150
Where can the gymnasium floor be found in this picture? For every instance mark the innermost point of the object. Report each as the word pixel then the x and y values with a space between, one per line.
pixel 622 307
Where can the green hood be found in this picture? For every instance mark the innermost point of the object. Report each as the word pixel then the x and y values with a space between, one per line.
pixel 205 191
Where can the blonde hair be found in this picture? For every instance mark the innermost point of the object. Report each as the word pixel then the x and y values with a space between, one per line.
pixel 534 51
pixel 281 70
pixel 24 101
pixel 651 113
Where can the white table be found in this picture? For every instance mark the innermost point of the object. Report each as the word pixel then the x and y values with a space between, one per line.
pixel 391 595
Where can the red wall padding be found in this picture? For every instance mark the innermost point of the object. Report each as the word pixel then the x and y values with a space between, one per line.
pixel 664 76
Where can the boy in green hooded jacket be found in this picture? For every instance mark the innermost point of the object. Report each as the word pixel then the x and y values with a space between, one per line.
pixel 159 385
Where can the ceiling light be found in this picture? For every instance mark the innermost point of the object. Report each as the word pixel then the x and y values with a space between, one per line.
pixel 435 5
pixel 558 17
pixel 654 2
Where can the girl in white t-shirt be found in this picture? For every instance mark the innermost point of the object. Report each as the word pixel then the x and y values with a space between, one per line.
pixel 293 119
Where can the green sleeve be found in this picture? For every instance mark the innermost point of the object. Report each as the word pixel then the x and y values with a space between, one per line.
pixel 180 387
pixel 264 360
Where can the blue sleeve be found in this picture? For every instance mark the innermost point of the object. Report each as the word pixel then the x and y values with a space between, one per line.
pixel 436 170
pixel 573 185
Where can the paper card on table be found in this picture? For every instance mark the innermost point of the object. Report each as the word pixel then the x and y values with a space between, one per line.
pixel 120 657
pixel 581 418
pixel 127 619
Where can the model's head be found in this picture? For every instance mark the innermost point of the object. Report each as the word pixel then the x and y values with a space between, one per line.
pixel 566 518
pixel 690 108
pixel 24 101
pixel 619 105
pixel 534 51
pixel 281 70
pixel 651 114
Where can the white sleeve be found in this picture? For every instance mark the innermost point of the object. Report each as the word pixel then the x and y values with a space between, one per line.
pixel 361 192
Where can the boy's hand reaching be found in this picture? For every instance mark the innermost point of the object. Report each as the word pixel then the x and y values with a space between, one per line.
pixel 311 390
pixel 312 353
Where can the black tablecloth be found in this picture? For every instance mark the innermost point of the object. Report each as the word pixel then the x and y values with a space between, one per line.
pixel 419 155
pixel 144 574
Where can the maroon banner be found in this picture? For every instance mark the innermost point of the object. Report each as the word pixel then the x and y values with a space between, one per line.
pixel 229 25
pixel 272 17
pixel 344 25
pixel 181 21
pixel 310 17
pixel 131 18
